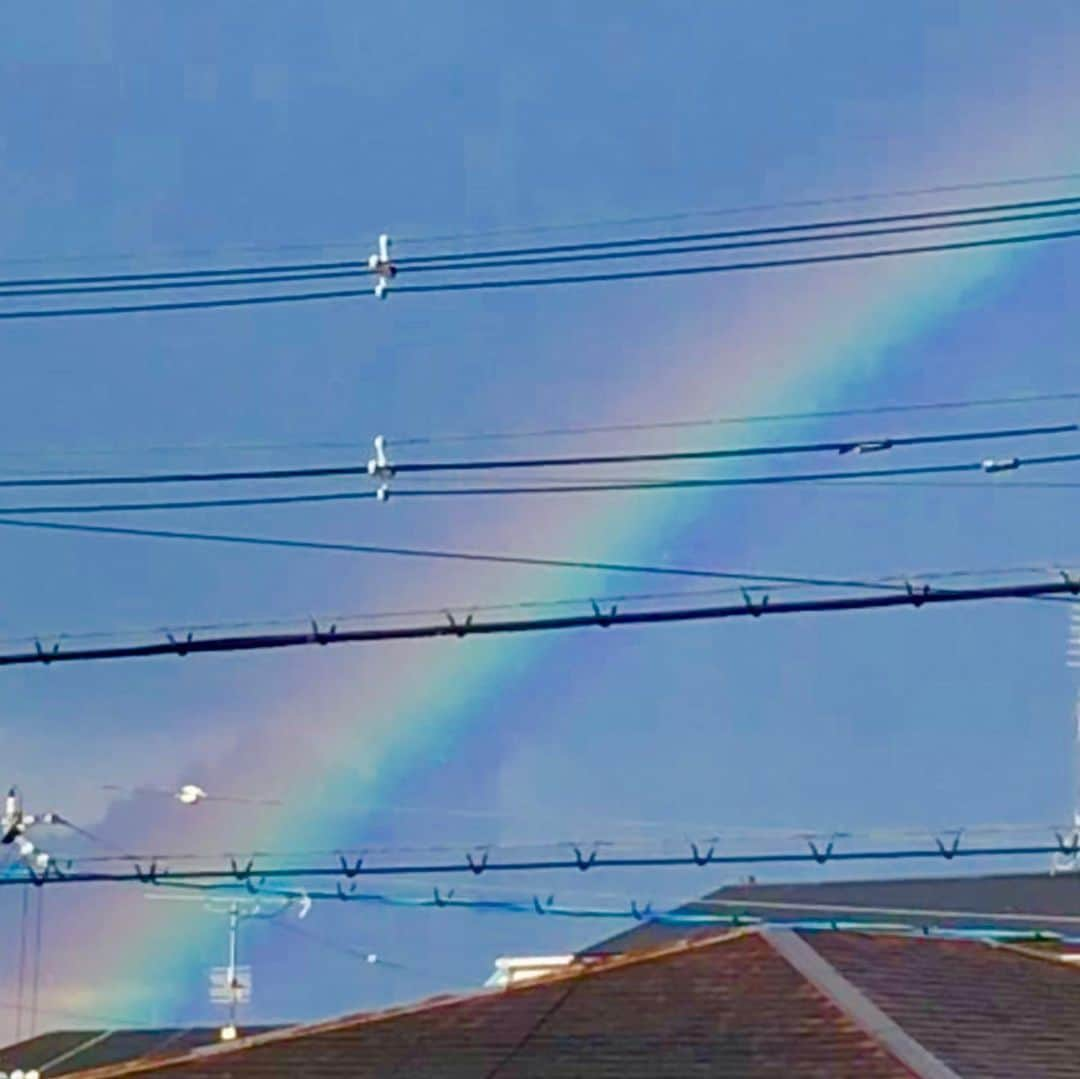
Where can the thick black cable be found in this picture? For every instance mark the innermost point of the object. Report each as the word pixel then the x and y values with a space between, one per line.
pixel 324 471
pixel 324 272
pixel 585 858
pixel 737 234
pixel 837 446
pixel 177 278
pixel 566 487
pixel 735 267
pixel 537 282
pixel 924 596
pixel 684 248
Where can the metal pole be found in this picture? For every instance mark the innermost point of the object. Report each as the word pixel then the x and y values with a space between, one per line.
pixel 234 933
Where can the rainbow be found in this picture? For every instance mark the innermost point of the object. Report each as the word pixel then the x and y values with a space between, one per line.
pixel 401 705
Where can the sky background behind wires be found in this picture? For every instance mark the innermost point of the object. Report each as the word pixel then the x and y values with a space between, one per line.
pixel 153 129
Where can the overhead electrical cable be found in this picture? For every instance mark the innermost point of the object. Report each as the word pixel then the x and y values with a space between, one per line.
pixel 238 273
pixel 262 299
pixel 857 445
pixel 604 619
pixel 440 554
pixel 252 874
pixel 734 239
pixel 331 271
pixel 753 208
pixel 717 421
pixel 735 267
pixel 990 466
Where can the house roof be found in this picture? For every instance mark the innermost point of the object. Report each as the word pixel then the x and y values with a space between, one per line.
pixel 752 1003
pixel 1017 902
pixel 63 1051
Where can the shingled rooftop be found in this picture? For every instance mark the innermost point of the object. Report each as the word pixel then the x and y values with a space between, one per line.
pixel 748 1003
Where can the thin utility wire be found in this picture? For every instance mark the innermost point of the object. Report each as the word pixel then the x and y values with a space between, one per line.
pixel 547 432
pixel 695 911
pixel 435 554
pixel 39 929
pixel 819 851
pixel 487 284
pixel 540 282
pixel 562 487
pixel 730 240
pixel 1001 213
pixel 20 984
pixel 731 211
pixel 842 446
pixel 924 596
pixel 459 264
pixel 676 424
pixel 702 834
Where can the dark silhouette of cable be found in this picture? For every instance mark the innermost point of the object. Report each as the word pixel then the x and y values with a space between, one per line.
pixel 452 627
pixel 708 242
pixel 792 228
pixel 442 554
pixel 539 282
pixel 774 417
pixel 837 446
pixel 327 271
pixel 238 274
pixel 735 267
pixel 732 211
pixel 567 487
pixel 322 471
pixel 253 873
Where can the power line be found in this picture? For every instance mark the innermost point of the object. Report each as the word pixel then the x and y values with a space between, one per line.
pixel 734 239
pixel 322 272
pixel 788 233
pixel 735 267
pixel 844 446
pixel 436 554
pixel 579 487
pixel 697 913
pixel 536 282
pixel 774 417
pixel 585 858
pixel 924 596
pixel 300 274
pixel 731 211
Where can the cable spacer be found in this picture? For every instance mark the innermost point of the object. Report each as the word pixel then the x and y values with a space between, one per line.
pixel 380 265
pixel 1001 464
pixel 873 446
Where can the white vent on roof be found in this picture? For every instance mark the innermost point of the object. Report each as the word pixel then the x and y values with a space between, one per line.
pixel 512 970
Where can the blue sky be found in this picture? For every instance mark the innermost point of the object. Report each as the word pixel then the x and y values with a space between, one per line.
pixel 132 132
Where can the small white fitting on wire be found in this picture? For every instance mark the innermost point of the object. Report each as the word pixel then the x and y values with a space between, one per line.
pixel 379 467
pixel 380 265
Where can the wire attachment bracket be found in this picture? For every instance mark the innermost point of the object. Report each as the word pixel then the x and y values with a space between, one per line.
pixel 351 869
pixel 950 850
pixel 380 264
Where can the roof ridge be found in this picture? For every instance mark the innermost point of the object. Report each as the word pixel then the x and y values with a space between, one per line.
pixel 576 971
pixel 849 999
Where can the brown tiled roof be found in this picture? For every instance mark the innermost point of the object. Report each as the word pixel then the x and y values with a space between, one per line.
pixel 731 1007
pixel 986 1011
pixel 751 1004
pixel 66 1051
pixel 1017 901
